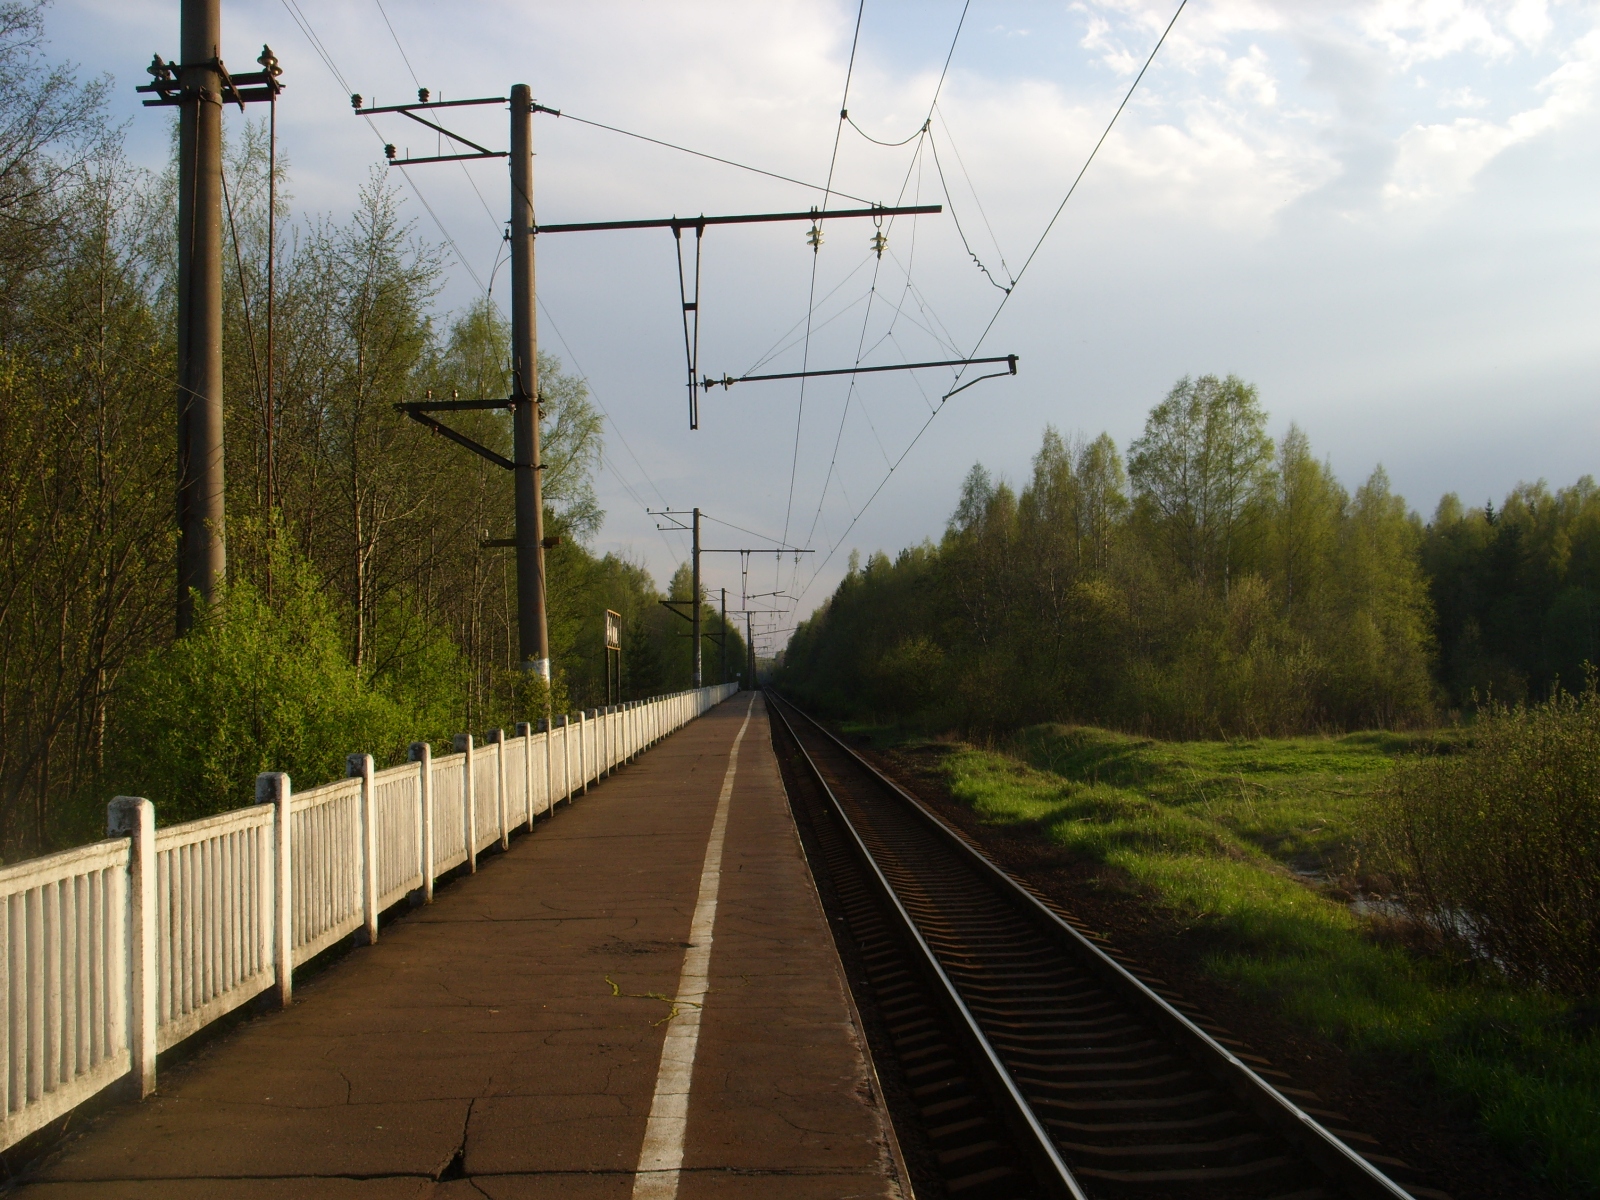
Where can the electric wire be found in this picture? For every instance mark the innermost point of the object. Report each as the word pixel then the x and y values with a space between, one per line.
pixel 816 258
pixel 877 142
pixel 950 136
pixel 904 183
pixel 705 516
pixel 950 203
pixel 1004 299
pixel 304 23
pixel 1060 208
pixel 500 258
pixel 566 116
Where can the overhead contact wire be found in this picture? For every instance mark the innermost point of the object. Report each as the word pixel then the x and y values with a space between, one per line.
pixel 1006 298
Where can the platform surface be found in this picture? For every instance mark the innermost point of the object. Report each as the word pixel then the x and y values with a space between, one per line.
pixel 481 1049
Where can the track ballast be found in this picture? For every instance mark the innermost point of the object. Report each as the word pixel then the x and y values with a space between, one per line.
pixel 1025 1060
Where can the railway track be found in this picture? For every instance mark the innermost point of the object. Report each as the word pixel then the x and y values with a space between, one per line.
pixel 1019 1058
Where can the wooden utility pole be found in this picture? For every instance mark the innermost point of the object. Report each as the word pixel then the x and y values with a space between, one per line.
pixel 532 626
pixel 202 555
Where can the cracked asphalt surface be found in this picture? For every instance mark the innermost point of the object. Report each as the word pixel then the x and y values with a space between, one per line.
pixel 479 1049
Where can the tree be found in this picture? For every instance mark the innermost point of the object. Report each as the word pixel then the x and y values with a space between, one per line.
pixel 1203 458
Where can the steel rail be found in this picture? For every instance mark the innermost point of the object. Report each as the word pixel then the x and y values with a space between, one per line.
pixel 1325 1150
pixel 1053 1170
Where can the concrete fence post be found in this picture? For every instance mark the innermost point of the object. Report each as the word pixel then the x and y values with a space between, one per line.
pixel 498 737
pixel 135 818
pixel 272 787
pixel 422 754
pixel 360 765
pixel 469 802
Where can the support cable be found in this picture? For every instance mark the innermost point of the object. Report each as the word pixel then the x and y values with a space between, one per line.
pixel 962 233
pixel 826 190
pixel 1006 298
pixel 844 114
pixel 816 256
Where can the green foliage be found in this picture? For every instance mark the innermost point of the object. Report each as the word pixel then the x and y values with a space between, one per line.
pixel 1232 593
pixel 256 686
pixel 1517 591
pixel 1159 817
pixel 1499 846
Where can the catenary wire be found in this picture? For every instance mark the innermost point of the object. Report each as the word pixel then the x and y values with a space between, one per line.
pixel 816 258
pixel 571 357
pixel 938 87
pixel 566 116
pixel 1003 300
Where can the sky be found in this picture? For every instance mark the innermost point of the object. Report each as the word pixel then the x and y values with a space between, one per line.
pixel 1381 214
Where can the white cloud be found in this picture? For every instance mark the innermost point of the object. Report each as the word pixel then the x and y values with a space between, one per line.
pixel 1461 97
pixel 1250 77
pixel 1440 161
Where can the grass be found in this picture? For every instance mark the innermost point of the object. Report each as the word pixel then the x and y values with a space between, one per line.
pixel 1206 829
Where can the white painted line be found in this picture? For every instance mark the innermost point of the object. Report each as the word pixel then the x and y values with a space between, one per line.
pixel 661 1156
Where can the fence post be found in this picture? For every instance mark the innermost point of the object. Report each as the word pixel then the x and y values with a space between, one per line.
pixel 361 765
pixel 525 732
pixel 566 757
pixel 583 751
pixel 498 737
pixel 422 754
pixel 135 818
pixel 272 787
pixel 469 803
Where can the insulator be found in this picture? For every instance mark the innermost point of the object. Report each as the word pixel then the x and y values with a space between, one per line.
pixel 880 240
pixel 355 101
pixel 422 95
pixel 269 61
pixel 814 237
pixel 389 151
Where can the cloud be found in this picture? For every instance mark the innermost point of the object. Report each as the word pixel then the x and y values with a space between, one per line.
pixel 1440 161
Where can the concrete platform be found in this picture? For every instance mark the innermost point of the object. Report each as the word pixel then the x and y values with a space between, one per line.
pixel 507 1040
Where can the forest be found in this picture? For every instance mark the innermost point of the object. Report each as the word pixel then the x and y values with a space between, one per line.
pixel 362 610
pixel 1210 582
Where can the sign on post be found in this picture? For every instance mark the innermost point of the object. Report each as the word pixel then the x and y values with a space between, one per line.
pixel 613 643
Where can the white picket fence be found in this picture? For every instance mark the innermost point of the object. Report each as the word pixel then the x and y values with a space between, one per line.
pixel 112 952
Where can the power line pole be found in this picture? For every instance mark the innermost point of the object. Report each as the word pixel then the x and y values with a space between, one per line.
pixel 533 630
pixel 198 85
pixel 695 590
pixel 750 649
pixel 202 552
pixel 723 640
pixel 532 627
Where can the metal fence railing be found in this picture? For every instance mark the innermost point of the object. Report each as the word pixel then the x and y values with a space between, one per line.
pixel 112 952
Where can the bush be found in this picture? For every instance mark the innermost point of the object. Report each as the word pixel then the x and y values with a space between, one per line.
pixel 1499 846
pixel 255 686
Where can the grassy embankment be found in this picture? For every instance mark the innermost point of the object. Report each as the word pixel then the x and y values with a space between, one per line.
pixel 1209 832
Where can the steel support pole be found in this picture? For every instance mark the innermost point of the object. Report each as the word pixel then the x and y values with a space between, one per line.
pixel 723 639
pixel 532 630
pixel 750 650
pixel 202 561
pixel 694 589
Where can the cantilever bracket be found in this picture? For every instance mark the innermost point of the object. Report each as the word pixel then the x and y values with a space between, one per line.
pixel 418 412
pixel 671 607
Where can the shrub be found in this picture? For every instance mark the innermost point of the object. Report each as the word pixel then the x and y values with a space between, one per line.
pixel 255 686
pixel 1499 846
